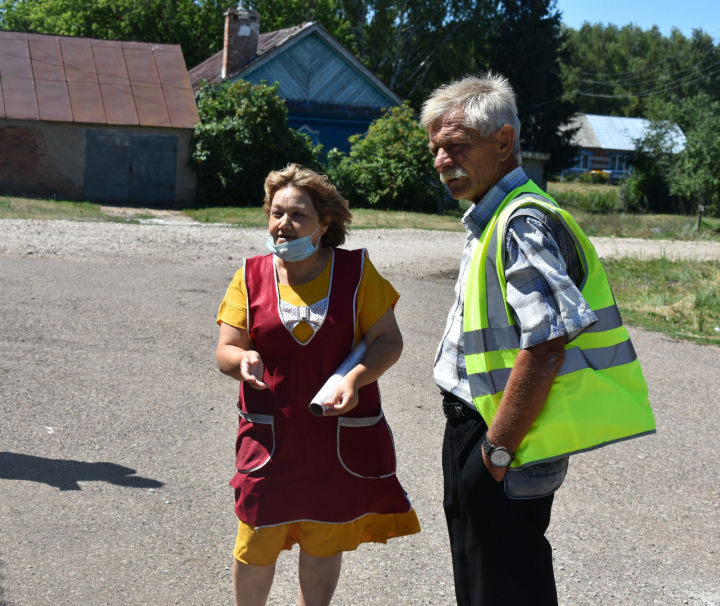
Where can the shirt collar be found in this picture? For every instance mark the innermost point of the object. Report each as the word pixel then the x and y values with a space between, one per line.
pixel 479 213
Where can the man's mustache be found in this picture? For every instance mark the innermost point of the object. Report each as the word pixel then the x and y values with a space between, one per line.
pixel 452 173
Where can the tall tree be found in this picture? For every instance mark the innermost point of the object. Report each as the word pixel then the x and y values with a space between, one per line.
pixel 620 71
pixel 527 47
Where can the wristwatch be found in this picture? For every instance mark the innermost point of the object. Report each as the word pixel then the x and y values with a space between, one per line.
pixel 499 455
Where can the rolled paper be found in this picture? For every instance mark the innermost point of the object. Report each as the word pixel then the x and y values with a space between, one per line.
pixel 318 409
pixel 317 405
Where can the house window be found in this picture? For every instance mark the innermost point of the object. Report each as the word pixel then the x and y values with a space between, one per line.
pixel 583 161
pixel 617 163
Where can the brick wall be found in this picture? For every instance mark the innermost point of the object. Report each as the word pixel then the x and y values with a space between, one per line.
pixel 26 167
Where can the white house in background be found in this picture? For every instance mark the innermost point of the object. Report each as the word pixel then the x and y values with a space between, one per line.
pixel 607 142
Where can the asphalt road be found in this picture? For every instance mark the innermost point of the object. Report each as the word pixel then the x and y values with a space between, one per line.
pixel 116 442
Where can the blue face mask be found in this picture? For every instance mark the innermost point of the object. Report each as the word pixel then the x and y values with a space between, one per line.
pixel 294 250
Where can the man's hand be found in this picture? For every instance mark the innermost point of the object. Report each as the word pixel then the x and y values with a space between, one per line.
pixel 496 472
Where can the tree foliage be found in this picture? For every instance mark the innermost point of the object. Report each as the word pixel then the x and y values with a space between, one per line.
pixel 624 71
pixel 242 136
pixel 696 174
pixel 532 29
pixel 678 182
pixel 389 167
pixel 647 188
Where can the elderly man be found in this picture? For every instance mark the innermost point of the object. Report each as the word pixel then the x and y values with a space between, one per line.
pixel 532 350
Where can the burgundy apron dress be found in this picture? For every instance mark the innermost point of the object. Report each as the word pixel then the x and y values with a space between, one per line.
pixel 292 465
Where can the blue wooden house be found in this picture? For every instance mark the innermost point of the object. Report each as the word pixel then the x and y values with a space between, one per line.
pixel 330 95
pixel 607 142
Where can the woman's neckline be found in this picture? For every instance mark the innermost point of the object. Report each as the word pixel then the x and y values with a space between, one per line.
pixel 302 272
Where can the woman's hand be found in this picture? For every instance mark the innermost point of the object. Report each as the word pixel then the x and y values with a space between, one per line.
pixel 251 370
pixel 236 357
pixel 343 399
pixel 384 345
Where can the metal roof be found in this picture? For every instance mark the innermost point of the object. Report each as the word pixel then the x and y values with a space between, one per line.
pixel 615 132
pixel 65 79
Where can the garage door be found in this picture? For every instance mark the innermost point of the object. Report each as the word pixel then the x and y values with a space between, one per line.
pixel 130 167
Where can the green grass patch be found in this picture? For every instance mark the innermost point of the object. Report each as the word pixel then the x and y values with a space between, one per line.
pixel 37 208
pixel 363 218
pixel 597 210
pixel 652 227
pixel 678 298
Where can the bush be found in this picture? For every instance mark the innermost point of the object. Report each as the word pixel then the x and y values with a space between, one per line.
pixel 594 176
pixel 242 136
pixel 390 167
pixel 590 201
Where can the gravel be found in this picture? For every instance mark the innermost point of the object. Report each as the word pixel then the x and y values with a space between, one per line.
pixel 117 432
pixel 420 252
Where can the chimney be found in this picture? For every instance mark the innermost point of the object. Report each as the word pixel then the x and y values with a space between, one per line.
pixel 242 28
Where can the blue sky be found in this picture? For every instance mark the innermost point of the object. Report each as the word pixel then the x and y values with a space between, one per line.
pixel 683 14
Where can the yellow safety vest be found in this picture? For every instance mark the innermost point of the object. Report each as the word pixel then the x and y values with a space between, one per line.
pixel 599 396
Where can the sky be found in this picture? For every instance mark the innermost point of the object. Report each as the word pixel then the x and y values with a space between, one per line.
pixel 666 14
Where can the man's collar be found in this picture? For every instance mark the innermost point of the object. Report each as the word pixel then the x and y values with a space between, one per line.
pixel 479 213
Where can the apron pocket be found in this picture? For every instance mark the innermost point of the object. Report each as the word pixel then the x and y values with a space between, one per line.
pixel 365 446
pixel 255 443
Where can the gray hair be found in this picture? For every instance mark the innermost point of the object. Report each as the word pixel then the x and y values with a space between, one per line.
pixel 487 102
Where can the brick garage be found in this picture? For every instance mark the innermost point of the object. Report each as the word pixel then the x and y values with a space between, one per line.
pixel 95 119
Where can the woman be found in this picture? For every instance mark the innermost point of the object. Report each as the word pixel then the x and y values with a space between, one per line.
pixel 287 321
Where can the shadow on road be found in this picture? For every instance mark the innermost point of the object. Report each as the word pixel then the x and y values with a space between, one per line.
pixel 65 474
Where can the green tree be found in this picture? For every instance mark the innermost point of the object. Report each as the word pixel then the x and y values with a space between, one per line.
pixel 532 29
pixel 666 178
pixel 624 71
pixel 389 167
pixel 696 173
pixel 648 187
pixel 242 136
pixel 280 14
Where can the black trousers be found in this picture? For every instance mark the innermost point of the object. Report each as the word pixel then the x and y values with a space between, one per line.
pixel 499 551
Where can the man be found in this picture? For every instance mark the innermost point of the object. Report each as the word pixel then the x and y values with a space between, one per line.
pixel 532 347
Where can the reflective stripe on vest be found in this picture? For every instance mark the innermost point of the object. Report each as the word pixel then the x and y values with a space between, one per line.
pixel 599 395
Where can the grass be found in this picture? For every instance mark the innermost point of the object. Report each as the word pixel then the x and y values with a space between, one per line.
pixel 35 208
pixel 594 207
pixel 680 299
pixel 363 218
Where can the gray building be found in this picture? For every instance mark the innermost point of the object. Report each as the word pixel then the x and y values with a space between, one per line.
pixel 93 119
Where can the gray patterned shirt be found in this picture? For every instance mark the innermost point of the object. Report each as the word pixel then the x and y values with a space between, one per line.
pixel 545 300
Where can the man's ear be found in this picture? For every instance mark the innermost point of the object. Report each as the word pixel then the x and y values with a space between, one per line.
pixel 506 139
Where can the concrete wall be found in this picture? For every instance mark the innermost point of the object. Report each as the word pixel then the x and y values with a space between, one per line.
pixel 48 159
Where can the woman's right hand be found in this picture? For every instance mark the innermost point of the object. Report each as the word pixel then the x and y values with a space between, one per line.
pixel 251 370
pixel 236 357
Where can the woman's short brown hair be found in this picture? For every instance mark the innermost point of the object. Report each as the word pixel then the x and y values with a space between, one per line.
pixel 332 208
